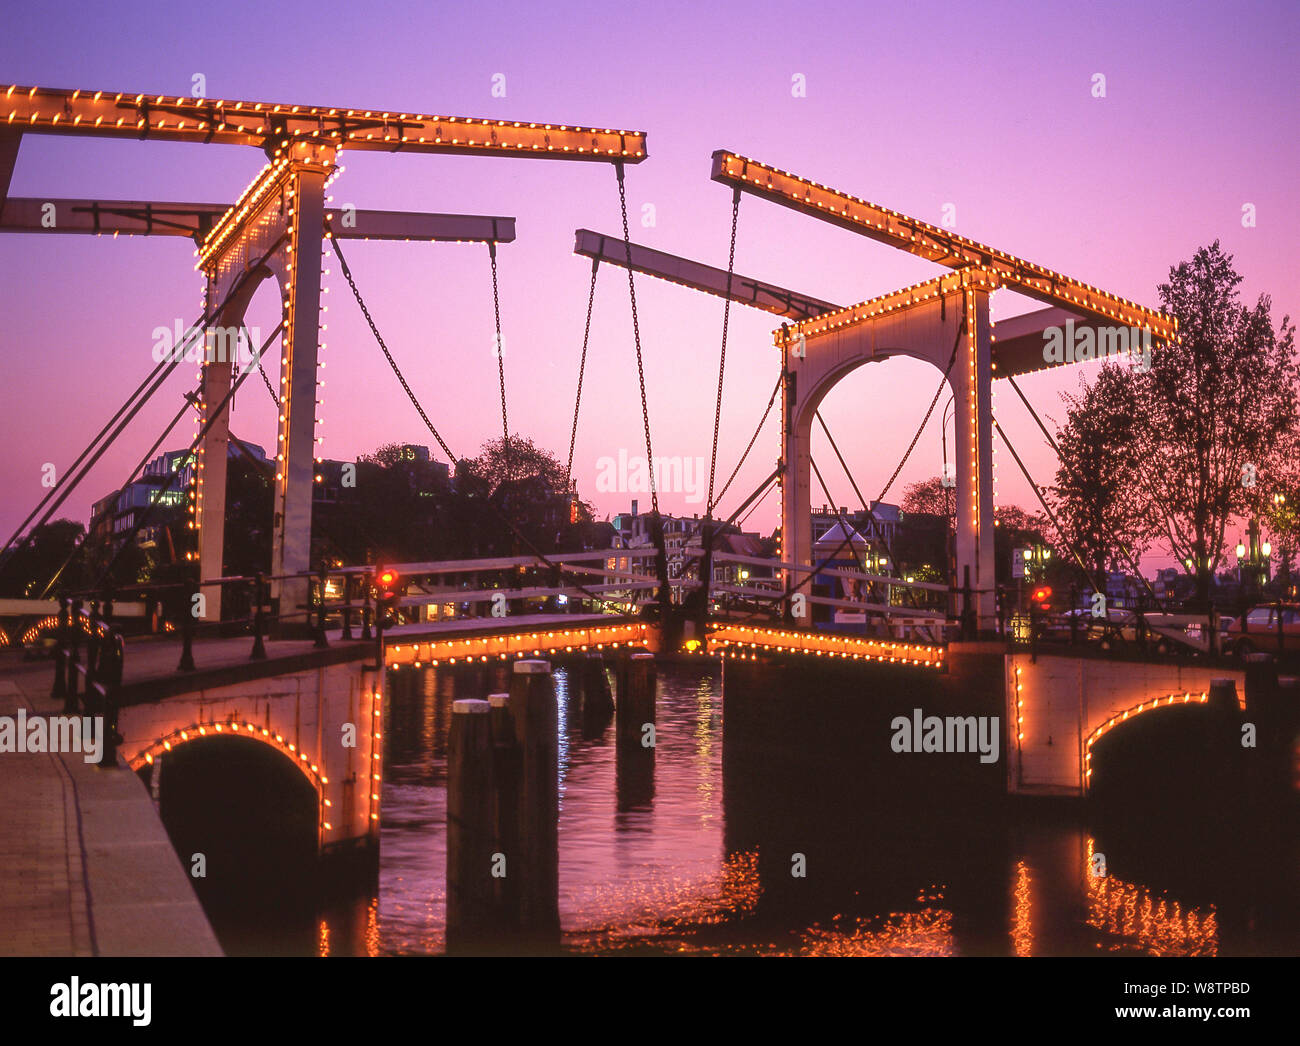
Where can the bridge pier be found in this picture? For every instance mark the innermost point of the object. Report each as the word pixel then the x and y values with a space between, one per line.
pixel 325 720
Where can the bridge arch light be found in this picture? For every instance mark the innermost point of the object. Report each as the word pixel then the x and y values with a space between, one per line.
pixel 1186 697
pixel 183 735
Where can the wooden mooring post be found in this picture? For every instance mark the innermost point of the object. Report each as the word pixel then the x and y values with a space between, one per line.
pixel 533 709
pixel 470 908
pixel 636 700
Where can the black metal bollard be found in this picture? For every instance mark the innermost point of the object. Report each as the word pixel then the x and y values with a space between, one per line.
pixel 259 619
pixel 61 656
pixel 111 682
pixel 321 641
pixel 347 606
pixel 187 629
pixel 74 644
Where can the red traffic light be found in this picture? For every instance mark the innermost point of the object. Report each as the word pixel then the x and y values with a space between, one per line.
pixel 386 578
pixel 1042 593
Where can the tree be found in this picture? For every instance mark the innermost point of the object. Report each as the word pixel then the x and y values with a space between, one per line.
pixel 1097 497
pixel 1277 502
pixel 31 566
pixel 931 498
pixel 1213 409
pixel 499 462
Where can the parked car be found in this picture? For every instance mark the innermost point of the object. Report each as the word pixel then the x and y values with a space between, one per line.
pixel 1117 625
pixel 1257 630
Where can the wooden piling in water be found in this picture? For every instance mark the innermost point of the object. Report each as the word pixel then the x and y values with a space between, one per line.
pixel 469 825
pixel 505 813
pixel 636 698
pixel 596 698
pixel 1223 695
pixel 533 709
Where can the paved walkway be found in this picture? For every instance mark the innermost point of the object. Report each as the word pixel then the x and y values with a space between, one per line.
pixel 86 867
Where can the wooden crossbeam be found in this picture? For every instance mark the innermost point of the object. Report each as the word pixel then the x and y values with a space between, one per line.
pixel 193 220
pixel 745 290
pixel 935 244
pixel 108 114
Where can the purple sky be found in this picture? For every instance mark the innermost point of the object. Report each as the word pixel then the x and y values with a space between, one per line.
pixel 987 107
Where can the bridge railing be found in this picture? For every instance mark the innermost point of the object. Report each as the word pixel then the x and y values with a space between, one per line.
pixel 90 687
pixel 608 579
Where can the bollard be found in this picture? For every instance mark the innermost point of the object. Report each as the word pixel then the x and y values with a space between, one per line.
pixel 1261 684
pixel 321 578
pixel 112 683
pixel 61 657
pixel 469 825
pixel 534 712
pixel 1223 695
pixel 74 644
pixel 187 630
pixel 259 619
pixel 636 698
pixel 347 607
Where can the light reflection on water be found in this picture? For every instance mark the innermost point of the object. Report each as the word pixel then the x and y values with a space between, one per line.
pixel 643 861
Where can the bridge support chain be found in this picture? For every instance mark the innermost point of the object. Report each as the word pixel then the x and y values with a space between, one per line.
pixel 469 826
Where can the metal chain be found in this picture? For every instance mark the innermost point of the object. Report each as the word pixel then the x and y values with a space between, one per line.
pixel 722 356
pixel 636 334
pixel 523 538
pixel 582 367
pixel 347 273
pixel 501 358
pixel 753 439
pixel 266 380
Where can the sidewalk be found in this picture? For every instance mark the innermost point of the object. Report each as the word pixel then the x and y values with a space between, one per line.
pixel 86 867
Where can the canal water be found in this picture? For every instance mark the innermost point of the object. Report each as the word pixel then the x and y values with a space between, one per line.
pixel 693 854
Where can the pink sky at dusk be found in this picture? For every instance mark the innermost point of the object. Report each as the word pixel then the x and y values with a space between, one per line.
pixel 913 106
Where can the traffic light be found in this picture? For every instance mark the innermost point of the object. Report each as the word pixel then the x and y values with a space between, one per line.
pixel 1040 597
pixel 386 599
